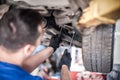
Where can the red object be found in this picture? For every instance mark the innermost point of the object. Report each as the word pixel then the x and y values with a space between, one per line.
pixel 87 76
pixel 74 75
pixel 84 76
pixel 53 78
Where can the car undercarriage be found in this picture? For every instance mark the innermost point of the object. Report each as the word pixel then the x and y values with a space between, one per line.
pixel 94 36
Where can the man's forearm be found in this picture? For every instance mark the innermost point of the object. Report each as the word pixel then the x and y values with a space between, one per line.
pixel 34 61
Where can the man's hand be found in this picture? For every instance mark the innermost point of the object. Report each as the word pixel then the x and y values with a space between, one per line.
pixel 55 41
pixel 66 59
pixel 65 73
pixel 44 73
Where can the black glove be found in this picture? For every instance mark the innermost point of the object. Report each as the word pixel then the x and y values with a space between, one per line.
pixel 66 59
pixel 55 41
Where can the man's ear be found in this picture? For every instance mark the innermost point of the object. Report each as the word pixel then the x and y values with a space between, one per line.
pixel 28 49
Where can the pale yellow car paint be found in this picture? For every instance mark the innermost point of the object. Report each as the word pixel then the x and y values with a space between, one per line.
pixel 99 12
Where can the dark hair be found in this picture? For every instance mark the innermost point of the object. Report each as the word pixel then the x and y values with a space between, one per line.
pixel 19 27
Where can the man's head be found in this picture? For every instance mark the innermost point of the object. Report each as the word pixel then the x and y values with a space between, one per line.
pixel 19 28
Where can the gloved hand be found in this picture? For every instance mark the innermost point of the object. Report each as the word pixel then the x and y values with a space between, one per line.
pixel 55 41
pixel 66 59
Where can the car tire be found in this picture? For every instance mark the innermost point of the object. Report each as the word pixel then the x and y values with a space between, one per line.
pixel 98 49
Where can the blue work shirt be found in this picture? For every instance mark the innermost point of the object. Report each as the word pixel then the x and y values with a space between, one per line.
pixel 13 72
